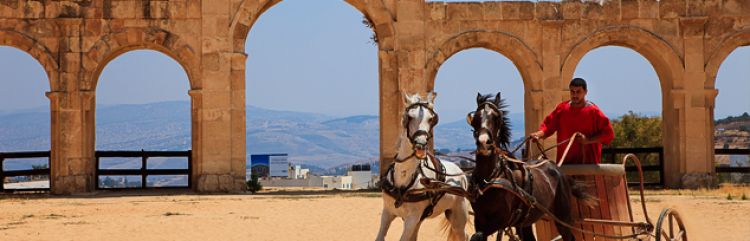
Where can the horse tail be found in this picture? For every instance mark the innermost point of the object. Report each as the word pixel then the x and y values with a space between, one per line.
pixel 579 192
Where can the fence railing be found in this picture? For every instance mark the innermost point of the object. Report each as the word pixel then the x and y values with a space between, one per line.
pixel 144 172
pixel 610 155
pixel 24 172
pixel 726 169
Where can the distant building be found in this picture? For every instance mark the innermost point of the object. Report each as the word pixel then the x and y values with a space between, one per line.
pixel 362 177
pixel 297 172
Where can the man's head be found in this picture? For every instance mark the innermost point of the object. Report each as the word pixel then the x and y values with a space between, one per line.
pixel 577 91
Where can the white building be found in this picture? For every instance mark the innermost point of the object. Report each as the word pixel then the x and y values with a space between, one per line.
pixel 296 172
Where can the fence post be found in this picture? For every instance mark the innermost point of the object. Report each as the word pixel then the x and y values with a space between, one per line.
pixel 661 166
pixel 2 174
pixel 190 168
pixel 144 157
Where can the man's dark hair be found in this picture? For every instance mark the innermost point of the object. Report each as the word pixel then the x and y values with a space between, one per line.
pixel 578 82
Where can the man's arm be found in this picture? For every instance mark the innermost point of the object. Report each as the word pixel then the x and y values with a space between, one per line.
pixel 605 135
pixel 549 125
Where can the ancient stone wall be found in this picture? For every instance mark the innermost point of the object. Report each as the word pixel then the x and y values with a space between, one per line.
pixel 685 40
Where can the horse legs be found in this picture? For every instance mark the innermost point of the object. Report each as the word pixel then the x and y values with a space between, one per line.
pixel 385 222
pixel 480 225
pixel 457 219
pixel 411 228
pixel 526 233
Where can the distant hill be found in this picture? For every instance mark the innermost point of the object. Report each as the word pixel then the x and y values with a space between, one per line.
pixel 320 141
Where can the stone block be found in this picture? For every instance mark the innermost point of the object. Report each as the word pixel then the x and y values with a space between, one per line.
pixel 648 9
pixel 33 10
pixel 600 11
pixel 215 7
pixel 211 61
pixel 71 62
pixel 437 11
pixel 411 10
pixel 696 8
pixel 464 11
pixel 629 9
pixel 493 11
pixel 158 9
pixel 571 9
pixel 669 9
pixel 178 9
pixel 124 9
pixel 736 8
pixel 518 10
pixel 194 8
pixel 549 11
pixel 698 180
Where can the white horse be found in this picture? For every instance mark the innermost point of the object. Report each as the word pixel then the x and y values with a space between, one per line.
pixel 402 196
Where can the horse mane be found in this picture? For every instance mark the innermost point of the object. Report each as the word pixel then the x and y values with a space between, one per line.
pixel 504 135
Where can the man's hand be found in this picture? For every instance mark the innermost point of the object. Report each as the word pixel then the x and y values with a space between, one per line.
pixel 537 135
pixel 586 141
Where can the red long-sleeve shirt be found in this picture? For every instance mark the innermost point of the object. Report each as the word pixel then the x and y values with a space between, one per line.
pixel 589 120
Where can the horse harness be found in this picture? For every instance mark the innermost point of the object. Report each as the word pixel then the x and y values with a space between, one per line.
pixel 405 194
pixel 502 177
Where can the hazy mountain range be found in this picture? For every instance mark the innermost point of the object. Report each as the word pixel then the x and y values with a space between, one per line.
pixel 316 140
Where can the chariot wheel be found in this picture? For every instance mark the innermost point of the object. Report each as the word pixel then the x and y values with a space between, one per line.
pixel 670 226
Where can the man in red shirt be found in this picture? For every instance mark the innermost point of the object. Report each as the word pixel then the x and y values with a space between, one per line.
pixel 578 115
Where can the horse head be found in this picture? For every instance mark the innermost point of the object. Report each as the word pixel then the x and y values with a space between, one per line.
pixel 490 124
pixel 418 120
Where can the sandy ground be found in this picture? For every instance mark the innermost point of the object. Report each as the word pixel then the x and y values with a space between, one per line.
pixel 279 216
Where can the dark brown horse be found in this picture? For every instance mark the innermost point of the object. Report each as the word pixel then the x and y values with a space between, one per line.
pixel 505 189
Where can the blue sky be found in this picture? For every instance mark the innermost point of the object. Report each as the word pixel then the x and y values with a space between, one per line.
pixel 303 53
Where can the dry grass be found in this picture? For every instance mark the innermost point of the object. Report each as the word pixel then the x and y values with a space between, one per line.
pixel 734 190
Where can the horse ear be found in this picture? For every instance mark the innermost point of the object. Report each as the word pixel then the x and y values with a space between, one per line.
pixel 498 99
pixel 431 99
pixel 479 98
pixel 470 117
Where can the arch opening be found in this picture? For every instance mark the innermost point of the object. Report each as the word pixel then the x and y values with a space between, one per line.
pixel 24 117
pixel 294 105
pixel 459 80
pixel 729 113
pixel 142 104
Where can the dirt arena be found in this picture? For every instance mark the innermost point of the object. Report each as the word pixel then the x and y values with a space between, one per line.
pixel 293 215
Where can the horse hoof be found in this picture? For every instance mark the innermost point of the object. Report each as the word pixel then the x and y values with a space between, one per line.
pixel 477 237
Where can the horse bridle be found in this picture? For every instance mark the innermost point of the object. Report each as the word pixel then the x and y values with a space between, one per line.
pixel 417 133
pixel 481 130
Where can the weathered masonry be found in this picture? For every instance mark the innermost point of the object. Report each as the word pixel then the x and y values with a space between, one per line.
pixel 685 41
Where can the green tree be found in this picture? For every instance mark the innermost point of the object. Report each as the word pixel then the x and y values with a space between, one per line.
pixel 634 130
pixel 253 185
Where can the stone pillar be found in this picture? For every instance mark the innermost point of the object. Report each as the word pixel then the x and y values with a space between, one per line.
pixel 542 101
pixel 218 107
pixel 404 62
pixel 72 153
pixel 697 167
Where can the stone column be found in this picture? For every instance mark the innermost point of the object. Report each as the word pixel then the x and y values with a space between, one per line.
pixel 218 107
pixel 544 97
pixel 697 165
pixel 72 154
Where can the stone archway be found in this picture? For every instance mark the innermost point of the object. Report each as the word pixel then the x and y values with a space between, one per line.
pixel 666 61
pixel 37 51
pixel 521 55
pixel 720 53
pixel 382 22
pixel 669 67
pixel 525 59
pixel 113 45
